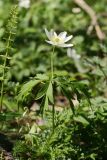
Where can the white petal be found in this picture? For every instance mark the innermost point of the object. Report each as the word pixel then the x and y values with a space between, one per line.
pixel 51 33
pixel 50 42
pixel 24 3
pixel 62 35
pixel 68 38
pixel 55 34
pixel 65 45
pixel 47 33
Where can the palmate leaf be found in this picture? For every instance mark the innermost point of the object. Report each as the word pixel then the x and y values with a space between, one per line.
pixel 68 96
pixel 42 77
pixel 46 93
pixel 49 93
pixel 47 90
pixel 70 87
pixel 44 104
pixel 81 87
pixel 26 89
pixel 42 91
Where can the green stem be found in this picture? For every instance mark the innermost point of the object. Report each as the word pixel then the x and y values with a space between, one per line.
pixel 4 67
pixel 52 74
pixel 52 63
pixel 53 118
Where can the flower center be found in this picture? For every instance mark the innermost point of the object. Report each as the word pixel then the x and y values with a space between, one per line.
pixel 57 40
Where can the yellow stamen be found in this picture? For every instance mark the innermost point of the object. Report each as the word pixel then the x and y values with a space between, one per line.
pixel 56 40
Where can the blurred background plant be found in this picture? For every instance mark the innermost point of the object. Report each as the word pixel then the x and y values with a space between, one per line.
pixel 84 135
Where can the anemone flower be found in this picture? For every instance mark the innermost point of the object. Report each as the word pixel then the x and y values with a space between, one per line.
pixel 58 39
pixel 24 3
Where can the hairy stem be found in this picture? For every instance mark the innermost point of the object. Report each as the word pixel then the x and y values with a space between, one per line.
pixel 4 67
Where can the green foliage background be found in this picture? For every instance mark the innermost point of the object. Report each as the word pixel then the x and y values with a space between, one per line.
pixel 79 138
pixel 30 44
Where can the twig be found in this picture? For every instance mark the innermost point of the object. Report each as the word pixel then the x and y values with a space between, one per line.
pixel 93 16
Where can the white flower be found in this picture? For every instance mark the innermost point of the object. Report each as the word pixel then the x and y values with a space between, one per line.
pixel 24 3
pixel 58 40
pixel 73 54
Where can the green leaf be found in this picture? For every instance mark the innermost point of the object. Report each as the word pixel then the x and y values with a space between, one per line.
pixel 68 96
pixel 81 119
pixel 26 89
pixel 50 93
pixel 42 77
pixel 42 91
pixel 44 104
pixel 9 116
pixel 33 129
pixel 1 78
pixel 10 104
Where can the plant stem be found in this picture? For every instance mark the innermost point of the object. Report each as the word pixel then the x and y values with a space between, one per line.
pixel 52 62
pixel 52 74
pixel 53 118
pixel 3 76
